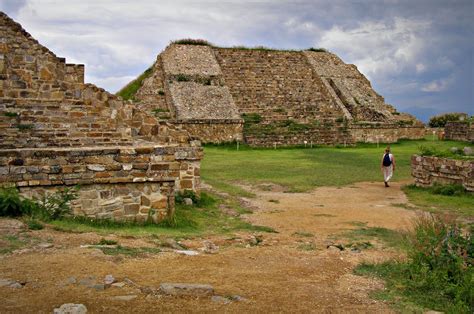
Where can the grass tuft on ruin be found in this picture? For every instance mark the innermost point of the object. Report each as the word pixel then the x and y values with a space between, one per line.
pixel 128 92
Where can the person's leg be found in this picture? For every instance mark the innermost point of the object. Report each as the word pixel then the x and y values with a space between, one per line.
pixel 388 172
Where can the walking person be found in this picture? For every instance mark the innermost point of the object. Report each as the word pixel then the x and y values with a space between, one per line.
pixel 387 165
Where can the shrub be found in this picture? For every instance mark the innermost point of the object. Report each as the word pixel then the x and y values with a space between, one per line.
pixel 10 202
pixel 317 49
pixel 57 205
pixel 34 224
pixel 52 206
pixel 440 121
pixel 439 271
pixel 10 114
pixel 182 78
pixel 190 41
pixel 251 118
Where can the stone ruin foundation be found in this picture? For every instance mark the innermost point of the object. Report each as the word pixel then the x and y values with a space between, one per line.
pixel 56 131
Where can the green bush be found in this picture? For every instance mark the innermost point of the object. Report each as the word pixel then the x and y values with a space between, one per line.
pixel 252 118
pixel 440 121
pixel 51 206
pixel 57 205
pixel 10 202
pixel 439 272
pixel 190 41
pixel 317 49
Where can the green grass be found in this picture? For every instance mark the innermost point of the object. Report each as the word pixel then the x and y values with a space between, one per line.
pixel 301 169
pixel 437 272
pixel 389 237
pixel 424 198
pixel 10 243
pixel 204 219
pixel 130 251
pixel 129 91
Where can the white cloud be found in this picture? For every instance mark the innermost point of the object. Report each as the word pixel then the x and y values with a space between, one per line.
pixel 114 83
pixel 420 68
pixel 437 86
pixel 379 47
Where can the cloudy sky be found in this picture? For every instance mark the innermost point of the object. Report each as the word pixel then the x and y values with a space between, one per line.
pixel 418 54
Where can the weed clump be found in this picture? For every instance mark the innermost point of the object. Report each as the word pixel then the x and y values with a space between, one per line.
pixel 439 271
pixel 191 41
pixel 52 206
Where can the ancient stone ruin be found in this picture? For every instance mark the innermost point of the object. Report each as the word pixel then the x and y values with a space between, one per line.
pixel 266 97
pixel 56 131
pixel 459 131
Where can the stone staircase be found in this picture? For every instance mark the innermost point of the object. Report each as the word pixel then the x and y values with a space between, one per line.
pixel 281 88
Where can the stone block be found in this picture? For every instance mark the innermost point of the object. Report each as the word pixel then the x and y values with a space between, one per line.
pixel 131 209
pixel 159 203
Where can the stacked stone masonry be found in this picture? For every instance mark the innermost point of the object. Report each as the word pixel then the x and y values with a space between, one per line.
pixel 427 170
pixel 297 97
pixel 459 131
pixel 56 131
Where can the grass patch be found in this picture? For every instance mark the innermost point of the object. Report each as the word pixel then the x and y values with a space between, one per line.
pixel 128 92
pixel 302 169
pixel 432 199
pixel 303 234
pixel 34 224
pixel 10 114
pixel 10 243
pixel 104 241
pixel 129 251
pixel 391 238
pixel 307 247
pixel 438 273
pixel 203 218
pixel 324 215
pixel 191 41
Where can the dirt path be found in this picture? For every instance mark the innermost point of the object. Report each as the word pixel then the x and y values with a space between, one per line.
pixel 289 271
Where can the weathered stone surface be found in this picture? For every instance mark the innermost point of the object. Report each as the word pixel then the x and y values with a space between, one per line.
pixel 459 131
pixel 10 283
pixel 207 89
pixel 186 289
pixel 71 308
pixel 55 131
pixel 427 170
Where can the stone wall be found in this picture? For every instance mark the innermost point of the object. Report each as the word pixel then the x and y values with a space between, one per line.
pixel 138 202
pixel 427 170
pixel 459 131
pixel 56 131
pixel 213 131
pixel 385 133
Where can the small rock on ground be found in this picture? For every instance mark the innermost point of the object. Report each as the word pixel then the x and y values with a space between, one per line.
pixel 219 299
pixel 188 201
pixel 10 283
pixel 109 279
pixel 186 289
pixel 187 252
pixel 71 308
pixel 124 297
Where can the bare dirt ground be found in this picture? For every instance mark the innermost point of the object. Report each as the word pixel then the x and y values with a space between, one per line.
pixel 289 271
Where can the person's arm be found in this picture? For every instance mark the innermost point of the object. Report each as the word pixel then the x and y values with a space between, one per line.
pixel 393 162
